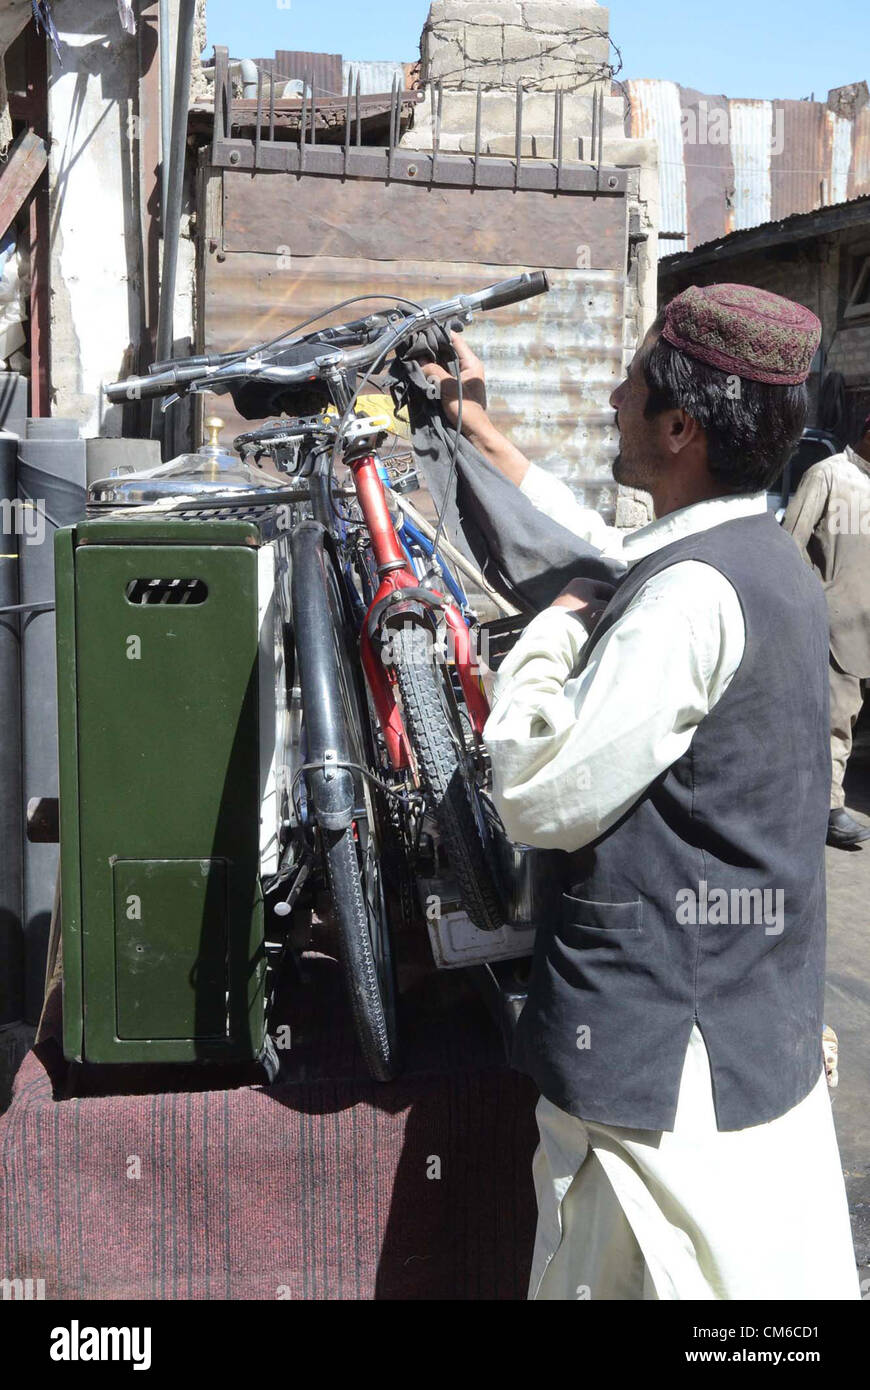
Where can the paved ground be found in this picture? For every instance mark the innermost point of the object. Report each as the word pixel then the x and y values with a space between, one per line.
pixel 848 1000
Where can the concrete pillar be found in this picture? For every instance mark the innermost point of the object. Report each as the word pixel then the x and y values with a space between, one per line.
pixel 97 214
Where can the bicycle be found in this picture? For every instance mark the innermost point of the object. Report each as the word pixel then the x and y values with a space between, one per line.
pixel 414 728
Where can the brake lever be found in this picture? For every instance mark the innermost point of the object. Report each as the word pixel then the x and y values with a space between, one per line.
pixel 219 380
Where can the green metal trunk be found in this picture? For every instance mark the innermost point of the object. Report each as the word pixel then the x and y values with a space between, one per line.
pixel 167 723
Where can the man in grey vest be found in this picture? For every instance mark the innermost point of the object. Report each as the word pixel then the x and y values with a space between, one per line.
pixel 670 745
pixel 829 517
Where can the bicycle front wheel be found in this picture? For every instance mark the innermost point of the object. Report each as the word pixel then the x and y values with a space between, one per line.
pixel 336 717
pixel 359 906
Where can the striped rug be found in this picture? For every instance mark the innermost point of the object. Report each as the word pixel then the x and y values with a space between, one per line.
pixel 325 1186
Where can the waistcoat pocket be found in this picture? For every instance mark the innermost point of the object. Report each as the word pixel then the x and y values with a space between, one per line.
pixel 602 917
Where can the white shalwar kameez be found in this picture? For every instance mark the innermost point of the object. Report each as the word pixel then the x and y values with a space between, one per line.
pixel 694 1213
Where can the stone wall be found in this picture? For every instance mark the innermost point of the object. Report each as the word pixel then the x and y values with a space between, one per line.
pixel 547 43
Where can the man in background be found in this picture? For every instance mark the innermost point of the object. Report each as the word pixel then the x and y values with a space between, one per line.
pixel 829 518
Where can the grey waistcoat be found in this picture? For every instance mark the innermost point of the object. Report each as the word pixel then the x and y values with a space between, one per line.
pixel 705 903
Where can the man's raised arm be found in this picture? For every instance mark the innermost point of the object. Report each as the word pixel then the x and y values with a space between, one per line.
pixel 548 494
pixel 476 424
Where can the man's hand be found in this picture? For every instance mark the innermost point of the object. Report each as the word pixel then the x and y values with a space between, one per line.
pixel 586 600
pixel 476 424
pixel 473 379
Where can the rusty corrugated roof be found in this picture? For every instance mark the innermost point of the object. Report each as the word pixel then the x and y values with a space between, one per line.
pixel 818 221
pixel 323 70
pixel 726 164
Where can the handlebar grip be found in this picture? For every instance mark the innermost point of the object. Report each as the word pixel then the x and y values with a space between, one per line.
pixel 512 291
pixel 170 363
pixel 137 388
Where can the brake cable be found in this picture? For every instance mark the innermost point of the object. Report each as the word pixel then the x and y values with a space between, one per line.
pixel 442 513
pixel 414 801
pixel 369 379
pixel 333 309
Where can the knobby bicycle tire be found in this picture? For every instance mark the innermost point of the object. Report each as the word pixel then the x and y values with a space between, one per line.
pixel 350 869
pixel 441 770
pixel 372 1007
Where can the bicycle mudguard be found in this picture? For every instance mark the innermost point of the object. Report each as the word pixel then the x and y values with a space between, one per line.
pixel 331 787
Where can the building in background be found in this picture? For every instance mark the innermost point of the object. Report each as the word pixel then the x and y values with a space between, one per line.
pixel 83 207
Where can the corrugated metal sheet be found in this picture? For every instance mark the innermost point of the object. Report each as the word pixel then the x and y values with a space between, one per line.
pixel 706 125
pixel 374 77
pixel 751 126
pixel 292 64
pixel 801 158
pixel 656 115
pixel 552 362
pixel 786 157
pixel 859 174
pixel 841 157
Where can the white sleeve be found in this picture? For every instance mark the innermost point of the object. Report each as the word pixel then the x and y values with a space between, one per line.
pixel 571 753
pixel 556 500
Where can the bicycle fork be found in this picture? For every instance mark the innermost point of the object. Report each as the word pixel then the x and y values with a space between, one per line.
pixel 400 596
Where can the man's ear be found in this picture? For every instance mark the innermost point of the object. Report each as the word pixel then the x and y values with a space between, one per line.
pixel 682 431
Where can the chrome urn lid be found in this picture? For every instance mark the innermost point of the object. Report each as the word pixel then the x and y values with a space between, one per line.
pixel 210 471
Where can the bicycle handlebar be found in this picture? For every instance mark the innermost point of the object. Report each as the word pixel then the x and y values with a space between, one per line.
pixel 524 286
pixel 256 367
pixel 135 388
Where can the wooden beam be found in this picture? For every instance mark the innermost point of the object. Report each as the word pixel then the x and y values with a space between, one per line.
pixel 40 233
pixel 148 150
pixel 27 159
pixel 14 16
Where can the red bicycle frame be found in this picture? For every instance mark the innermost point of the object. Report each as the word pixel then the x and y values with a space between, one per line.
pixel 396 574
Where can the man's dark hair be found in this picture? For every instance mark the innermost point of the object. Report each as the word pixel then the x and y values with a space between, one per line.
pixel 750 435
